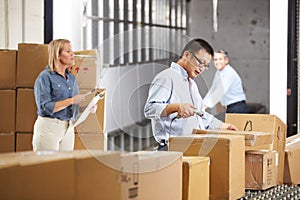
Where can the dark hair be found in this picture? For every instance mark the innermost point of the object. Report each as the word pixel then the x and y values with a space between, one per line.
pixel 223 52
pixel 196 44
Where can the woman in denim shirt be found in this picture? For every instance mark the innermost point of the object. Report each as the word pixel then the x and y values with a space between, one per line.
pixel 57 97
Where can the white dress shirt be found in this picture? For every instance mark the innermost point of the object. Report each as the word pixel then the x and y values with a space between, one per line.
pixel 226 88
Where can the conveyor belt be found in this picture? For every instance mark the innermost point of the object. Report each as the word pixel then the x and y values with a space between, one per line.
pixel 283 192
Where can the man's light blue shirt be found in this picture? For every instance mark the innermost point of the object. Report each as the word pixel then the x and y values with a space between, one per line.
pixel 226 88
pixel 172 85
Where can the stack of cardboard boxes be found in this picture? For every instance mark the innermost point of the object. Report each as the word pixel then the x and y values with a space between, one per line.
pixel 250 159
pixel 18 112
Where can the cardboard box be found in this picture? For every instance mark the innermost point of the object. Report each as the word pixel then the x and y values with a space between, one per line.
pixel 106 175
pixel 292 160
pixel 160 175
pixel 36 176
pixel 7 111
pixel 95 141
pixel 195 178
pixel 252 138
pixel 7 142
pixel 31 60
pixel 8 66
pixel 95 122
pixel 77 175
pixel 26 112
pixel 264 123
pixel 261 169
pixel 227 161
pixel 85 69
pixel 24 141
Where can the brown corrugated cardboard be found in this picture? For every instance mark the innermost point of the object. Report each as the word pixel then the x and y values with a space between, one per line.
pixel 252 138
pixel 85 69
pixel 36 176
pixel 264 123
pixel 195 178
pixel 69 175
pixel 26 110
pixel 160 175
pixel 31 60
pixel 24 141
pixel 7 142
pixel 95 122
pixel 8 66
pixel 227 161
pixel 91 141
pixel 261 169
pixel 7 111
pixel 292 160
pixel 106 176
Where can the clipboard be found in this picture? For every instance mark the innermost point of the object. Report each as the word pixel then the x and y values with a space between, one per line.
pixel 98 96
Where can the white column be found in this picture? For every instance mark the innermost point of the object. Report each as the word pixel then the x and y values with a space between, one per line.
pixel 278 58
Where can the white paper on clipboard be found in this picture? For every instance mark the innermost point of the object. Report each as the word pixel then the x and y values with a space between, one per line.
pixel 86 112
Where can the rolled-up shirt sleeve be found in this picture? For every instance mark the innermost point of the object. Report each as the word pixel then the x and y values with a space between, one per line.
pixel 44 101
pixel 158 98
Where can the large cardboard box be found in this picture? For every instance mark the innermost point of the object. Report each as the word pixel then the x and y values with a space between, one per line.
pixel 7 111
pixel 26 112
pixel 227 161
pixel 95 122
pixel 36 176
pixel 195 178
pixel 261 169
pixel 253 139
pixel 77 174
pixel 264 123
pixel 7 142
pixel 91 141
pixel 106 175
pixel 31 60
pixel 24 141
pixel 8 66
pixel 159 175
pixel 292 160
pixel 85 69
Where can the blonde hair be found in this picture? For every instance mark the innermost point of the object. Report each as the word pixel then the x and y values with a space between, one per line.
pixel 54 49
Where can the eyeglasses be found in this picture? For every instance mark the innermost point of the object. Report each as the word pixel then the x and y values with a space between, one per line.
pixel 199 62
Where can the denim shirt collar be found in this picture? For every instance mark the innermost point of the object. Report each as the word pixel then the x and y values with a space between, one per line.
pixel 54 72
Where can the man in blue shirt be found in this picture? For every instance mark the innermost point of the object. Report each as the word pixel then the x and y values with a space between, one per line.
pixel 174 98
pixel 226 87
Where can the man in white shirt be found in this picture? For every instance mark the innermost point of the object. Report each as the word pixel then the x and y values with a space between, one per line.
pixel 174 97
pixel 226 87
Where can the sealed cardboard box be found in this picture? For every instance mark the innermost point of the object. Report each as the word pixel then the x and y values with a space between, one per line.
pixel 106 175
pixel 264 123
pixel 85 69
pixel 36 176
pixel 91 141
pixel 252 138
pixel 7 142
pixel 227 161
pixel 31 60
pixel 26 112
pixel 24 141
pixel 292 160
pixel 7 111
pixel 195 178
pixel 261 169
pixel 160 175
pixel 95 122
pixel 8 66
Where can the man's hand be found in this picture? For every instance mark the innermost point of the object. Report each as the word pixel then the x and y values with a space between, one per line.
pixel 186 110
pixel 228 126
